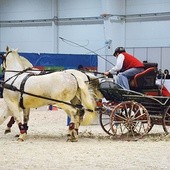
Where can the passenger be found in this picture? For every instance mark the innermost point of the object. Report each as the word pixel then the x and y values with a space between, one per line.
pixel 166 74
pixel 80 67
pixel 160 74
pixel 126 67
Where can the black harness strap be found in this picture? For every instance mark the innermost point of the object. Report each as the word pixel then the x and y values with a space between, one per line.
pixel 22 89
pixel 16 75
pixel 88 77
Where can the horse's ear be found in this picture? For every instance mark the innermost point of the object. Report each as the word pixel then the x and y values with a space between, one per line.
pixel 16 50
pixel 7 49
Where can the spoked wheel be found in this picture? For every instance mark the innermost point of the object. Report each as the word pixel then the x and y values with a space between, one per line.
pixel 104 119
pixel 166 120
pixel 130 120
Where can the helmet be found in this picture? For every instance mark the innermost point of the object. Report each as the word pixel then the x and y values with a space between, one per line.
pixel 119 50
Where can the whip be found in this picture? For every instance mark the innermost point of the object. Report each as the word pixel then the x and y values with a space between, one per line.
pixel 66 40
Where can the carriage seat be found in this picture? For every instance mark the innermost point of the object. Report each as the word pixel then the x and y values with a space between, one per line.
pixel 145 79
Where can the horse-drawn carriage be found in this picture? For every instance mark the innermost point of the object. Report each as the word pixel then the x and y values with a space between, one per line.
pixel 127 112
pixel 133 113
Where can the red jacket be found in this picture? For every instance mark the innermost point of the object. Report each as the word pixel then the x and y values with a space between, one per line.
pixel 131 62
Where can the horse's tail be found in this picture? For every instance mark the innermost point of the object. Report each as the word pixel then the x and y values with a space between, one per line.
pixel 88 102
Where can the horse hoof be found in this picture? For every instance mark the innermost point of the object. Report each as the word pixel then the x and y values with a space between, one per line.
pixel 20 140
pixel 22 137
pixel 72 140
pixel 7 131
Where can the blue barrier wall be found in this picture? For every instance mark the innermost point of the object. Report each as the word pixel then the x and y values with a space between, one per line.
pixel 61 61
pixel 66 61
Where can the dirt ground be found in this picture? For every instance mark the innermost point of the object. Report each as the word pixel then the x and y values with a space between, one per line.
pixel 46 148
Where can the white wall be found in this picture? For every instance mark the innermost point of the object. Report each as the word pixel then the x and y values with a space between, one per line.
pixel 45 37
pixel 25 9
pixel 147 6
pixel 147 33
pixel 150 36
pixel 79 8
pixel 41 38
pixel 27 38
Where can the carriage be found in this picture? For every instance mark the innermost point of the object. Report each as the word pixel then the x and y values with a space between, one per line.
pixel 132 113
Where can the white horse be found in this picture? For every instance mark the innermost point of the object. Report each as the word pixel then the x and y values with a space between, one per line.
pixel 23 90
pixel 89 78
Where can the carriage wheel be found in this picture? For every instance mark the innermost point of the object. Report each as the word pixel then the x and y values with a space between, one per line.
pixel 166 120
pixel 130 120
pixel 104 118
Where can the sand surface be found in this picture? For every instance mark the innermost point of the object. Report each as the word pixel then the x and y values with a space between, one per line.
pixel 46 148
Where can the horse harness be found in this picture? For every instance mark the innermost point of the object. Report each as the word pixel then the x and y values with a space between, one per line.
pixel 21 90
pixel 22 85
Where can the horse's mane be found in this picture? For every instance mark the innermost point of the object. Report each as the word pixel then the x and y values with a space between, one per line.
pixel 94 85
pixel 25 62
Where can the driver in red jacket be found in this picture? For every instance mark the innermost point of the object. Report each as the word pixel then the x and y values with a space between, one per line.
pixel 126 66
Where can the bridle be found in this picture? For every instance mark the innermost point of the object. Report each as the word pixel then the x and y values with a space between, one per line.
pixel 4 60
pixel 4 69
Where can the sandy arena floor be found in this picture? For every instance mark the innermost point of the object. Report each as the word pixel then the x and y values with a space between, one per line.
pixel 46 147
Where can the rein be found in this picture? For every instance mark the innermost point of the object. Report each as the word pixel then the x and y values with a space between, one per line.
pixel 91 81
pixel 14 88
pixel 20 71
pixel 30 70
pixel 95 72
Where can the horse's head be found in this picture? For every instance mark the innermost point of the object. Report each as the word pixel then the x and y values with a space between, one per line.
pixel 24 61
pixel 5 61
pixel 12 60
